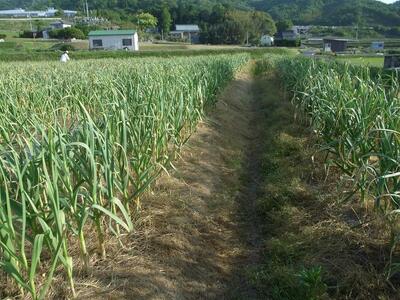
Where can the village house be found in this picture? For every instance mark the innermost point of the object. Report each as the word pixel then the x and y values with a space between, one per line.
pixel 189 33
pixel 288 38
pixel 55 26
pixel 114 40
pixel 392 62
pixel 335 45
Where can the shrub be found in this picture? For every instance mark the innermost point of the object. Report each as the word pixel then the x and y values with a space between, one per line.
pixel 67 33
pixel 27 34
pixel 63 47
pixel 288 43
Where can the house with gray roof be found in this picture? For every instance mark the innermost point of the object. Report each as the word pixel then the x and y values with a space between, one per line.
pixel 189 32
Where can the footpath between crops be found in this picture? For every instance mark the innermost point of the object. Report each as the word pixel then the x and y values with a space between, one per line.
pixel 198 233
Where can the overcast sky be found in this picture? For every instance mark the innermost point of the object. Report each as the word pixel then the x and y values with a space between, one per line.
pixel 388 1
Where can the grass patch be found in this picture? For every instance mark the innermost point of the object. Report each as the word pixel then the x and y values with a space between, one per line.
pixel 372 61
pixel 36 55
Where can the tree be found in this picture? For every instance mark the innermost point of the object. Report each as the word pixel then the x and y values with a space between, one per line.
pixel 59 13
pixel 284 25
pixel 145 21
pixel 39 25
pixel 166 20
pixel 263 23
pixel 67 33
pixel 238 26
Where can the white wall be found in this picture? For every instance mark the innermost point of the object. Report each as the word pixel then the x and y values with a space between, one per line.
pixel 114 42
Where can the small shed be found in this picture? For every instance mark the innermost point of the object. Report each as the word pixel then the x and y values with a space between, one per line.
pixel 392 61
pixel 377 46
pixel 335 45
pixel 114 40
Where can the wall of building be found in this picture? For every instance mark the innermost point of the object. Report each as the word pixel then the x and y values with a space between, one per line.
pixel 114 42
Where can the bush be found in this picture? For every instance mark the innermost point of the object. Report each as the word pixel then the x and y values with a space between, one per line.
pixel 3 36
pixel 9 46
pixel 67 34
pixel 87 28
pixel 288 43
pixel 27 34
pixel 63 47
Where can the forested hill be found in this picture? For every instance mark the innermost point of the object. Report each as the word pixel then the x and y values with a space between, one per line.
pixel 320 12
pixel 331 12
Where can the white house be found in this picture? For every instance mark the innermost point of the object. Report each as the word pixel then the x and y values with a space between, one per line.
pixel 114 40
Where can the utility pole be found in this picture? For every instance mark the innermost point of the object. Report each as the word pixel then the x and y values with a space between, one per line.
pixel 30 22
pixel 87 9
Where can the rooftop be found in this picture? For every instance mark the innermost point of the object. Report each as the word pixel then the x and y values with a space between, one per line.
pixel 335 39
pixel 189 28
pixel 111 32
pixel 20 11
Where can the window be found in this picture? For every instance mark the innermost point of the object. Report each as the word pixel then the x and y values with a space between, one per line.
pixel 127 42
pixel 97 43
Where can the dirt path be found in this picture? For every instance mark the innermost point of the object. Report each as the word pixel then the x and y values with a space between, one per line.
pixel 199 230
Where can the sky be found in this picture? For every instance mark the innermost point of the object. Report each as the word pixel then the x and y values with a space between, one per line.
pixel 388 1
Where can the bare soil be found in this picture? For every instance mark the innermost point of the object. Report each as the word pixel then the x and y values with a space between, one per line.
pixel 198 232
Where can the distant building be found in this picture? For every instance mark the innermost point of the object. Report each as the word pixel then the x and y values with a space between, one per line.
pixel 70 13
pixel 190 33
pixel 289 38
pixel 267 41
pixel 301 30
pixel 54 26
pixel 288 35
pixel 59 25
pixel 392 62
pixel 114 40
pixel 335 45
pixel 377 46
pixel 22 13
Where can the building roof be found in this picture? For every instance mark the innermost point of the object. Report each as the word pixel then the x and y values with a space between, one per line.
pixel 12 11
pixel 111 32
pixel 20 11
pixel 187 28
pixel 336 39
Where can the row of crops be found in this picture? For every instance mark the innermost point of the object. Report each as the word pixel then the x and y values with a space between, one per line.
pixel 356 113
pixel 81 143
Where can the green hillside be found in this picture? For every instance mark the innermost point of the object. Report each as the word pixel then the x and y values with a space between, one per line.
pixel 331 12
pixel 321 12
